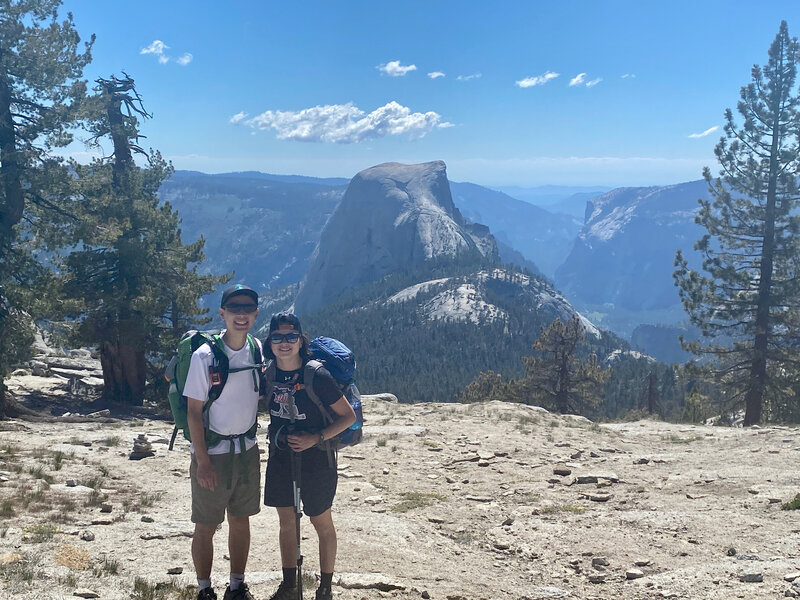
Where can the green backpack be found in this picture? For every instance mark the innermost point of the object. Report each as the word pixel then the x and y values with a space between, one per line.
pixel 178 369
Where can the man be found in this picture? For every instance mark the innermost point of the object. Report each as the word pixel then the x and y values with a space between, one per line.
pixel 225 470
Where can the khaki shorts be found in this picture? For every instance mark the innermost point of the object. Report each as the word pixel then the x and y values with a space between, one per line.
pixel 242 500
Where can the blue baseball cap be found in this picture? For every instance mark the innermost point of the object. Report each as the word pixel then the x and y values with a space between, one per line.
pixel 236 290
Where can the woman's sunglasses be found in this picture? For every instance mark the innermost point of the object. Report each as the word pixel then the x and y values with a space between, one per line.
pixel 277 338
pixel 241 309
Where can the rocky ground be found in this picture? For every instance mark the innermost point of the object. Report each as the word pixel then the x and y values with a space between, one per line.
pixel 440 501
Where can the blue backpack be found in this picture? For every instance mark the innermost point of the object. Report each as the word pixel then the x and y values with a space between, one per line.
pixel 340 362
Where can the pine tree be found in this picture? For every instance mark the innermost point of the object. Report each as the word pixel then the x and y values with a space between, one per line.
pixel 750 287
pixel 557 377
pixel 136 281
pixel 40 93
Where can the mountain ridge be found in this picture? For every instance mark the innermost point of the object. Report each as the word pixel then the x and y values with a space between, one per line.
pixel 391 216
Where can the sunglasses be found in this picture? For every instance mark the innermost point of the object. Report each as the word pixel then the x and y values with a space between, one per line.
pixel 277 338
pixel 241 309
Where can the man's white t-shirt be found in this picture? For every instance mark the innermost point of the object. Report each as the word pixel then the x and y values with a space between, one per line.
pixel 235 410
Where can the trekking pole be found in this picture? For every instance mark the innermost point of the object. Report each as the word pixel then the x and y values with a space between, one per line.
pixel 296 463
pixel 296 471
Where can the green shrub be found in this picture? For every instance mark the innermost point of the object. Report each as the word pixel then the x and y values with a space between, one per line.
pixel 793 505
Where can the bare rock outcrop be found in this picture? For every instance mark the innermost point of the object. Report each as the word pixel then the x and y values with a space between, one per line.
pixel 392 216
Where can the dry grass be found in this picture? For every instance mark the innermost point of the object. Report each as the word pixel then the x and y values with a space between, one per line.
pixel 16 569
pixel 72 557
pixel 412 500
pixel 106 567
pixel 40 533
pixel 145 590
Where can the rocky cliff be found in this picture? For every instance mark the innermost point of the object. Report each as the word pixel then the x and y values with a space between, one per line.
pixel 392 216
pixel 262 227
pixel 623 256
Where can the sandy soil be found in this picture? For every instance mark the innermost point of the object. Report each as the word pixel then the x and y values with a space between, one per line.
pixel 444 501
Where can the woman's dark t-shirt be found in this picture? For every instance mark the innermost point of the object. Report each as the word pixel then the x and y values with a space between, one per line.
pixel 307 417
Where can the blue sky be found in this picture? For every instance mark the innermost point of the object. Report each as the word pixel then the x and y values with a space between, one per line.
pixel 527 93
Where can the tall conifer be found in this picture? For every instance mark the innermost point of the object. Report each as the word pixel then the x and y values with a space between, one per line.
pixel 750 285
pixel 136 281
pixel 40 92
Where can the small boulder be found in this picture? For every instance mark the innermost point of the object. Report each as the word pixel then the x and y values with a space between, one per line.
pixel 562 470
pixel 633 574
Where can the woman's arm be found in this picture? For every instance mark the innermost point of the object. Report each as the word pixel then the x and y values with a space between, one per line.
pixel 345 416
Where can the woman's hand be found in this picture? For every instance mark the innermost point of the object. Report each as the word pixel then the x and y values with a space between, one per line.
pixel 302 441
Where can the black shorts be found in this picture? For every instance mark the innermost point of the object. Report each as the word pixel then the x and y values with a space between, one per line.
pixel 317 480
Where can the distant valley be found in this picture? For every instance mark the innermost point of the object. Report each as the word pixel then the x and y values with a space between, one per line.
pixel 615 267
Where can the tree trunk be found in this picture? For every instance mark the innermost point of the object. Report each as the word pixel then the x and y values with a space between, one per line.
pixel 13 201
pixel 123 373
pixel 758 368
pixel 652 394
pixel 562 394
pixel 3 413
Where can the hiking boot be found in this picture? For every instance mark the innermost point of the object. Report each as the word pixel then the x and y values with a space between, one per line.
pixel 241 594
pixel 284 592
pixel 206 594
pixel 323 594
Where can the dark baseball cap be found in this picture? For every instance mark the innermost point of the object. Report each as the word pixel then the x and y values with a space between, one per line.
pixel 238 290
pixel 284 318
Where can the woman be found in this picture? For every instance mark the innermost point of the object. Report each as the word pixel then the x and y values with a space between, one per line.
pixel 297 426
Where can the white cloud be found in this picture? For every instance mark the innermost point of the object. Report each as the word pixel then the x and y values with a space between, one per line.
pixel 577 80
pixel 580 79
pixel 435 74
pixel 539 80
pixel 344 123
pixel 469 77
pixel 628 76
pixel 708 131
pixel 395 69
pixel 238 117
pixel 157 48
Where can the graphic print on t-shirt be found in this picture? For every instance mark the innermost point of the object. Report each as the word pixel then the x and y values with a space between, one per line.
pixel 284 400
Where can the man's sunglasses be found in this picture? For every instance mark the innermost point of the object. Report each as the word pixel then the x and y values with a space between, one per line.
pixel 241 309
pixel 277 338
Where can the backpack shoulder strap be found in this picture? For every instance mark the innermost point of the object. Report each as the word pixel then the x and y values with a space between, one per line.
pixel 269 378
pixel 309 371
pixel 218 348
pixel 255 350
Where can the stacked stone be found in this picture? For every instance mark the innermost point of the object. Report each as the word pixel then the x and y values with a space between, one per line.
pixel 141 448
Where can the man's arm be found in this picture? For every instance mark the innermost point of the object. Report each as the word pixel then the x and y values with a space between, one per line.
pixel 206 475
